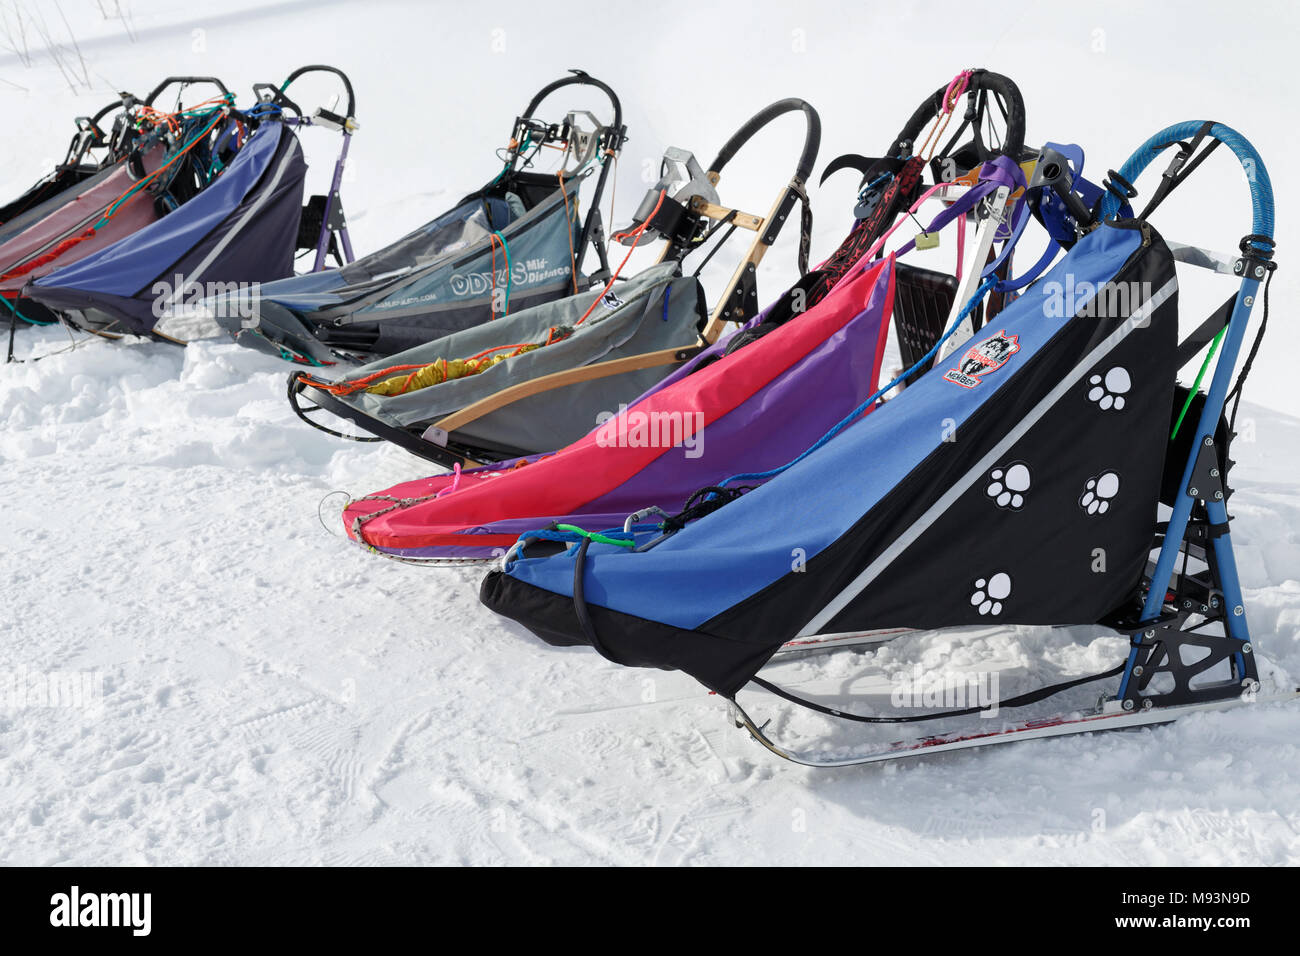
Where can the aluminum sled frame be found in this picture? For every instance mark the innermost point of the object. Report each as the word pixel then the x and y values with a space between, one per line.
pixel 1157 684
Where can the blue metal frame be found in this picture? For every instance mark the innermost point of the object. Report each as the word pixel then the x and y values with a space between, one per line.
pixel 1261 193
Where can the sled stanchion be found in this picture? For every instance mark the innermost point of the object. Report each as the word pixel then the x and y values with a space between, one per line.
pixel 333 220
pixel 617 132
pixel 738 301
pixel 1253 266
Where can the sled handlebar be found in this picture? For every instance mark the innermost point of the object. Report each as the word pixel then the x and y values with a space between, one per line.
pixel 184 81
pixel 578 78
pixel 811 143
pixel 90 124
pixel 324 68
pixel 1261 187
pixel 981 81
pixel 117 104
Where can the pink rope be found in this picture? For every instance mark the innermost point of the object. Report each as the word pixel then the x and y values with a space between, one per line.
pixel 455 481
pixel 950 96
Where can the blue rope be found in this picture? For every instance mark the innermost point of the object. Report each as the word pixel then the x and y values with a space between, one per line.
pixel 873 184
pixel 853 415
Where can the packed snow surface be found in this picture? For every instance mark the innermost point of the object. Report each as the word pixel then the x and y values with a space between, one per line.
pixel 261 691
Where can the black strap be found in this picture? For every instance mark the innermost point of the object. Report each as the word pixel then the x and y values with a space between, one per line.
pixel 1180 168
pixel 1022 700
pixel 1119 187
pixel 580 605
pixel 1205 332
pixel 805 228
pixel 727 220
pixel 13 327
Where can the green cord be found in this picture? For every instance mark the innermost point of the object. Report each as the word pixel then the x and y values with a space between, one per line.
pixel 1197 384
pixel 528 141
pixel 596 536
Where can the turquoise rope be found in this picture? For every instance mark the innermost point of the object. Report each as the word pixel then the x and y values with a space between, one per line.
pixel 145 182
pixel 14 309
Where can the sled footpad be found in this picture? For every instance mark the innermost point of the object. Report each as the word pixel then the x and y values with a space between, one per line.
pixel 1175 666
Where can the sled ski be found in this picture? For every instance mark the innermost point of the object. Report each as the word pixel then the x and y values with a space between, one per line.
pixel 1110 715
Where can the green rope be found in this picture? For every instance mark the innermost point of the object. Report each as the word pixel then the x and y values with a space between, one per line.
pixel 595 536
pixel 1197 384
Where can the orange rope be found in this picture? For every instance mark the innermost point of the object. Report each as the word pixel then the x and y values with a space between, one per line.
pixel 941 121
pixel 142 183
pixel 359 384
pixel 112 210
pixel 573 259
pixel 635 235
pixel 356 385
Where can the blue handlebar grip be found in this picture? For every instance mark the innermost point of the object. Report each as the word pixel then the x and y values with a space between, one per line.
pixel 1261 188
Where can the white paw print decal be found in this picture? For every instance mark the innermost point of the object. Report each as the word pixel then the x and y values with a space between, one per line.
pixel 1109 392
pixel 1098 492
pixel 1008 484
pixel 989 594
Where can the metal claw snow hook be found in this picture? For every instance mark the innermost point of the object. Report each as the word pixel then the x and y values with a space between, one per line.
pixel 320 507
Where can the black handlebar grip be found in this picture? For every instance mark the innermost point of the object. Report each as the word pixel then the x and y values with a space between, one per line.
pixel 578 78
pixel 184 81
pixel 980 80
pixel 811 143
pixel 324 68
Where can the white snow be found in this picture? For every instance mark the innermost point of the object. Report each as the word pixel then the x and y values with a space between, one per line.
pixel 271 694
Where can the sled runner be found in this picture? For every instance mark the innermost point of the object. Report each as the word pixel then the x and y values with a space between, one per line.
pixel 150 164
pixel 242 227
pixel 538 379
pixel 1068 433
pixel 519 241
pixel 744 404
